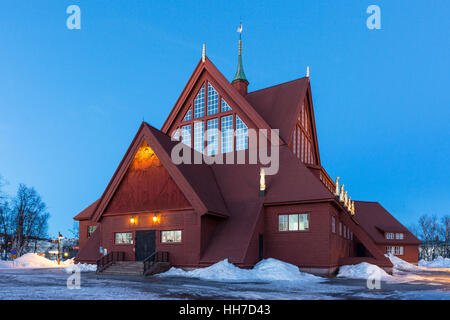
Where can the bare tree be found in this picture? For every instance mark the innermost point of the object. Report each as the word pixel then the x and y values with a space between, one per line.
pixel 445 229
pixel 429 228
pixel 30 217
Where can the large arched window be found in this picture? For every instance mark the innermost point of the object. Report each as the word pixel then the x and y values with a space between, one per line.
pixel 211 114
pixel 302 140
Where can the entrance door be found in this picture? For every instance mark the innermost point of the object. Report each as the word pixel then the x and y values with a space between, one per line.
pixel 145 244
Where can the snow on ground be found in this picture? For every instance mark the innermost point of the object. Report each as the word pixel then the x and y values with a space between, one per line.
pixel 363 270
pixel 34 261
pixel 439 262
pixel 265 270
pixel 401 265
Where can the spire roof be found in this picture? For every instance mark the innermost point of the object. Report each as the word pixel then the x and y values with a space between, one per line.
pixel 240 74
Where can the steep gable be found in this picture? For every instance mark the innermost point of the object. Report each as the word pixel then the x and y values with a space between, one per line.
pixel 205 73
pixel 195 182
pixel 146 186
pixel 285 107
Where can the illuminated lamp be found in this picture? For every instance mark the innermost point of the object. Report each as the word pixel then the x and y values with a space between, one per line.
pixel 133 220
pixel 155 218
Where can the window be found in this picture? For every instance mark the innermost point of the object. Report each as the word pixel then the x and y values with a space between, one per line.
pixel 213 137
pixel 283 222
pixel 399 236
pixel 186 135
pixel 389 235
pixel 198 136
pixel 293 222
pixel 351 236
pixel 333 224
pixel 227 134
pixel 91 230
pixel 199 103
pixel 225 106
pixel 241 134
pixel 188 115
pixel 171 236
pixel 394 250
pixel 176 135
pixel 124 238
pixel 213 100
pixel 340 228
pixel 345 231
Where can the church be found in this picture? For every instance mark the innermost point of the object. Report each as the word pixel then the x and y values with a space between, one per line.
pixel 161 206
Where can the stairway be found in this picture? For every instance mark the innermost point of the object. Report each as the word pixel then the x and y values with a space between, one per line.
pixel 128 268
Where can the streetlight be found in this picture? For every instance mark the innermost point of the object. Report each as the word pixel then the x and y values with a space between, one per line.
pixel 60 237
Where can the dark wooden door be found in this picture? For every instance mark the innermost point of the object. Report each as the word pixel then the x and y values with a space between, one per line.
pixel 145 244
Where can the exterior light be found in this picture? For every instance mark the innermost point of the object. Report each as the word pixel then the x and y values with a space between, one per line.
pixel 132 220
pixel 66 254
pixel 262 183
pixel 155 218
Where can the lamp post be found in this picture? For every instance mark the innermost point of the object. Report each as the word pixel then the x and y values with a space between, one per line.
pixel 60 237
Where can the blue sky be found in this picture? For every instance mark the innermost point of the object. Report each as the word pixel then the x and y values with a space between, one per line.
pixel 72 100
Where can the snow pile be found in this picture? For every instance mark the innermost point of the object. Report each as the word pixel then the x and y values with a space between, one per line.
pixel 34 261
pixel 400 264
pixel 30 260
pixel 439 262
pixel 363 270
pixel 81 267
pixel 265 270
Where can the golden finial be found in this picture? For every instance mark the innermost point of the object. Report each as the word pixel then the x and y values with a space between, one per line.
pixel 341 194
pixel 307 71
pixel 204 53
pixel 336 191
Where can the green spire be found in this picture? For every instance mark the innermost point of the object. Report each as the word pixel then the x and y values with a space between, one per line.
pixel 240 74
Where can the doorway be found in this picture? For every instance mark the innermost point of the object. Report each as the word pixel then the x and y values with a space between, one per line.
pixel 145 244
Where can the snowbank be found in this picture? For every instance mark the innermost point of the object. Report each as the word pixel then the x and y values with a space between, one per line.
pixel 34 261
pixel 439 262
pixel 401 265
pixel 266 270
pixel 363 270
pixel 81 267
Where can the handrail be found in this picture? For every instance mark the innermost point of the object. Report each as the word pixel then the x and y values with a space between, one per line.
pixel 157 256
pixel 105 261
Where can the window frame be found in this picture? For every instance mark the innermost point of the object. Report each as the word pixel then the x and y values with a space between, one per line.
pixel 308 213
pixel 333 224
pixel 170 230
pixel 124 244
pixel 90 234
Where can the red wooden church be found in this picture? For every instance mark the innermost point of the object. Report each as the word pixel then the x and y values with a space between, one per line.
pixel 199 214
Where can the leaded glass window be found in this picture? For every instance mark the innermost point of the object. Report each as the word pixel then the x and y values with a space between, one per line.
pixel 176 135
pixel 188 115
pixel 225 106
pixel 198 136
pixel 199 103
pixel 213 137
pixel 213 100
pixel 227 134
pixel 241 134
pixel 186 135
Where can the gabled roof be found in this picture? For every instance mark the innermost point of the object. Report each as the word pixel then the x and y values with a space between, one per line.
pixel 240 188
pixel 280 106
pixel 216 75
pixel 86 214
pixel 376 220
pixel 195 181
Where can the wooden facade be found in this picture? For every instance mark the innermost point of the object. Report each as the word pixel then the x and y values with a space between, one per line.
pixel 204 213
